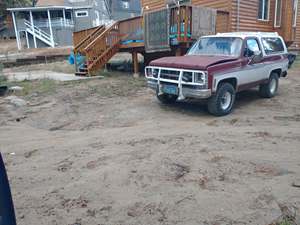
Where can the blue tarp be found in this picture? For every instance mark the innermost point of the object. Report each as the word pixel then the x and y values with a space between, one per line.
pixel 79 59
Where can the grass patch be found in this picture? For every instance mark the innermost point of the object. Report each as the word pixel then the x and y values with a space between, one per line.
pixel 286 222
pixel 116 86
pixel 44 86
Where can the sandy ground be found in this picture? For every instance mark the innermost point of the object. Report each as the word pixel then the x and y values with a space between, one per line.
pixel 106 152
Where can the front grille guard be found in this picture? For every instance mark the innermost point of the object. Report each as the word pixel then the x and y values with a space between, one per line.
pixel 179 82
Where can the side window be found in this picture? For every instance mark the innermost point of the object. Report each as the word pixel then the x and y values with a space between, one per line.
pixel 251 47
pixel 81 13
pixel 272 45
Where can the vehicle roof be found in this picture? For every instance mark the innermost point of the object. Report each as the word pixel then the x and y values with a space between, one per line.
pixel 246 34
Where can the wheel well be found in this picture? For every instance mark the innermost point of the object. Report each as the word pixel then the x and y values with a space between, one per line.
pixel 232 81
pixel 278 71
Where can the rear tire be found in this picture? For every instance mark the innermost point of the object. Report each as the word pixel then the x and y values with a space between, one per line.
pixel 166 98
pixel 222 102
pixel 269 90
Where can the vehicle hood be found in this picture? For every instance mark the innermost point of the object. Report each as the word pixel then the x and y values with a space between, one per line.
pixel 192 62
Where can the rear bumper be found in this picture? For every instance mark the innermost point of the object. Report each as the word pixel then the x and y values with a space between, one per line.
pixel 186 92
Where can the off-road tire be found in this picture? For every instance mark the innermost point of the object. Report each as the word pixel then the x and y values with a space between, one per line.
pixel 166 98
pixel 215 103
pixel 267 90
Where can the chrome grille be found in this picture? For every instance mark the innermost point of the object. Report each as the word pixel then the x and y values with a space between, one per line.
pixel 169 74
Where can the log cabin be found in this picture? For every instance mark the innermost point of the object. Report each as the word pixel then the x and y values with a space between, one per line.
pixel 250 15
pixel 169 27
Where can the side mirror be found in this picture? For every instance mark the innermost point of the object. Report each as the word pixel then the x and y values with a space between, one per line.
pixel 256 58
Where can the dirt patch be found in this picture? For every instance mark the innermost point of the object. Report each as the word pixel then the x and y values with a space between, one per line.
pixel 59 67
pixel 107 152
pixel 8 46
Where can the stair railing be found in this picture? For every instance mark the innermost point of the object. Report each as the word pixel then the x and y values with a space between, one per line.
pixel 103 48
pixel 38 32
pixel 79 48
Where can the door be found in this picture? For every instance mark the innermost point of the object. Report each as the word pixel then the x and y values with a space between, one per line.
pixel 253 72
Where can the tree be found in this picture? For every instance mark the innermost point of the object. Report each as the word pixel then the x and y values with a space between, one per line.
pixel 4 4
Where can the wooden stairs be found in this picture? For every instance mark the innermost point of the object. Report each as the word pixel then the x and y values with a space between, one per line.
pixel 97 49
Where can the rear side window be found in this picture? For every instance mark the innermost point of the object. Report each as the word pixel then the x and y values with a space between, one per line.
pixel 272 45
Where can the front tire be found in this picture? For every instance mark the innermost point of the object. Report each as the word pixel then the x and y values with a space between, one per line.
pixel 269 90
pixel 222 102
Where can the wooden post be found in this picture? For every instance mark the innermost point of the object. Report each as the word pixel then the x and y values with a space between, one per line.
pixel 178 51
pixel 135 63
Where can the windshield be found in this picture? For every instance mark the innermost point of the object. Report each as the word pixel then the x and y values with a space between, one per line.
pixel 223 46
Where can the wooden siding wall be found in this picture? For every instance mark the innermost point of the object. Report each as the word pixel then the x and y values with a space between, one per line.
pixel 287 31
pixel 223 16
pixel 222 25
pixel 248 13
pixel 152 4
pixel 216 4
pixel 296 44
pixel 248 16
pixel 223 5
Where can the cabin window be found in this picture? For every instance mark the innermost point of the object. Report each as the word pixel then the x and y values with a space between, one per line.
pixel 81 13
pixel 272 45
pixel 278 10
pixel 125 4
pixel 295 12
pixel 263 9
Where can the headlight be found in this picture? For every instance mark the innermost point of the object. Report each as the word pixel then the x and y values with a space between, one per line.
pixel 151 72
pixel 200 78
pixel 155 73
pixel 148 72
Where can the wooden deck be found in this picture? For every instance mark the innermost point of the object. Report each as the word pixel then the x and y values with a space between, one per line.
pixel 98 45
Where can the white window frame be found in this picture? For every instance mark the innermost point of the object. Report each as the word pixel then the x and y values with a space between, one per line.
pixel 81 11
pixel 263 10
pixel 295 11
pixel 275 18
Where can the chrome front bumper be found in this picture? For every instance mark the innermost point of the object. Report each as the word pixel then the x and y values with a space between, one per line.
pixel 186 92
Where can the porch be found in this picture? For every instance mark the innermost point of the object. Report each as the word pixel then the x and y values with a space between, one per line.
pixel 43 26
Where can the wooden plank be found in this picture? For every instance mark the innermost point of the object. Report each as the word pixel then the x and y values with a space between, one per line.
pixel 133 45
pixel 135 63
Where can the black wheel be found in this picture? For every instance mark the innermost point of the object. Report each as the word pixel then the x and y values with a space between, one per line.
pixel 222 102
pixel 166 98
pixel 269 90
